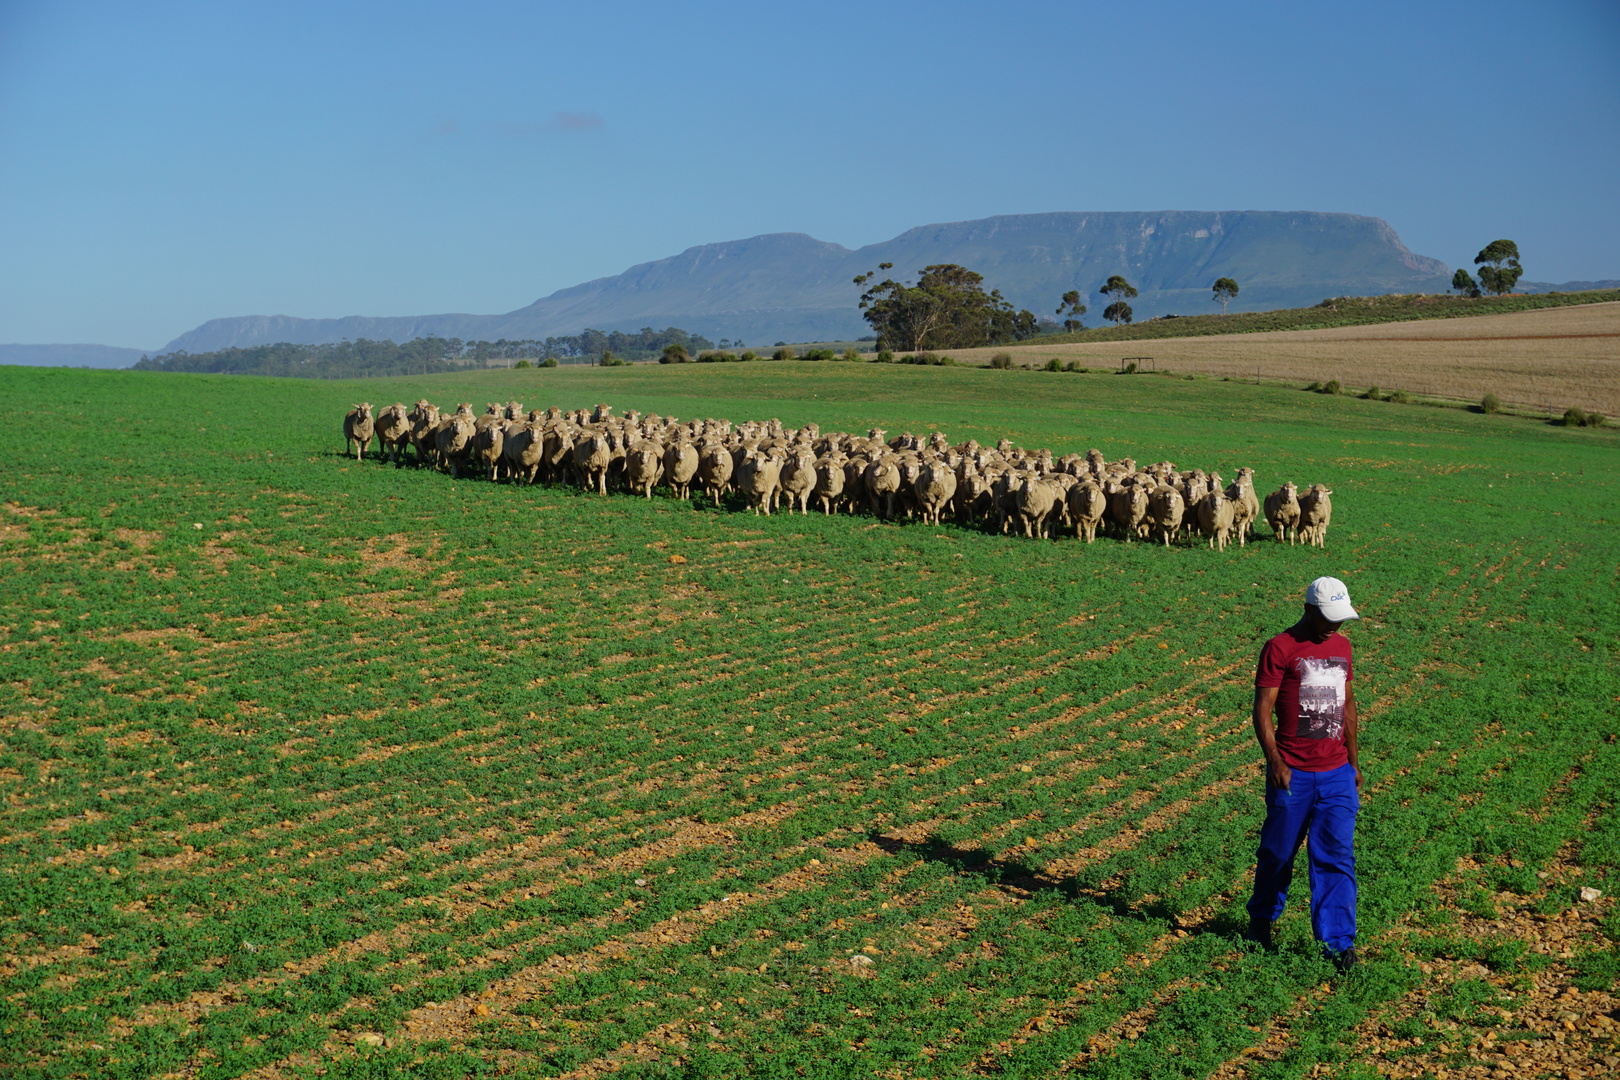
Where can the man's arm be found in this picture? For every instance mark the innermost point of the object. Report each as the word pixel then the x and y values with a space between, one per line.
pixel 1350 730
pixel 1278 774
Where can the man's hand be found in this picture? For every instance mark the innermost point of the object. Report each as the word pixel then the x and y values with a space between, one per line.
pixel 1278 774
pixel 1358 778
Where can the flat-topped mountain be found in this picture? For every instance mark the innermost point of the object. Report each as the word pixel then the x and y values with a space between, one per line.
pixel 793 287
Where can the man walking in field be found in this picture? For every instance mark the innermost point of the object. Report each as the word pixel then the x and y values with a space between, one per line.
pixel 1312 779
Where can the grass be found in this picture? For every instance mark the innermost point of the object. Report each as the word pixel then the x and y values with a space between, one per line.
pixel 482 772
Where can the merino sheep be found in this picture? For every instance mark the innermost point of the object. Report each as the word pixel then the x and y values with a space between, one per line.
pixel 1315 514
pixel 1128 508
pixel 882 480
pixel 488 442
pixel 935 487
pixel 1282 513
pixel 680 467
pixel 1215 513
pixel 830 478
pixel 358 428
pixel 758 479
pixel 715 469
pixel 393 428
pixel 644 467
pixel 453 442
pixel 424 422
pixel 799 480
pixel 1245 507
pixel 1165 511
pixel 592 456
pixel 1086 505
pixel 1036 501
pixel 523 450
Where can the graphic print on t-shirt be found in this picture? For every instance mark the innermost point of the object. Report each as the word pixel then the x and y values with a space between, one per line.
pixel 1321 696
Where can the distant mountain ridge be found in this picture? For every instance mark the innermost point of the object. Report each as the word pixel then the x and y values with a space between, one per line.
pixel 793 287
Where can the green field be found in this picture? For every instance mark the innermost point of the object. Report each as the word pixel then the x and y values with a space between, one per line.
pixel 483 775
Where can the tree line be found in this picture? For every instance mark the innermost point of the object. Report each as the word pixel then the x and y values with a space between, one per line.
pixel 364 358
pixel 948 309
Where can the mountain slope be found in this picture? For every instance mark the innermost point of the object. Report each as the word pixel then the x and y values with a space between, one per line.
pixel 790 286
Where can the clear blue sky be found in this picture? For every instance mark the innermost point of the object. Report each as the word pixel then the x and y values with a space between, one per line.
pixel 166 163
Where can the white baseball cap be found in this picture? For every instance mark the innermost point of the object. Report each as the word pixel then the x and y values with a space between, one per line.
pixel 1330 596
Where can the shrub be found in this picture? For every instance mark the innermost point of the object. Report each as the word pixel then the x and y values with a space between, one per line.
pixel 550 361
pixel 1596 419
pixel 522 364
pixel 1314 388
pixel 1130 368
pixel 819 354
pixel 852 355
pixel 675 353
pixel 1489 404
pixel 717 356
pixel 1574 416
pixel 884 356
pixel 1001 361
pixel 609 360
pixel 1371 394
pixel 1332 387
pixel 1073 365
pixel 1400 397
pixel 1054 364
pixel 748 356
pixel 785 353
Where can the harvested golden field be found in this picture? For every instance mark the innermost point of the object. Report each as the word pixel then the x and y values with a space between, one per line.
pixel 1549 359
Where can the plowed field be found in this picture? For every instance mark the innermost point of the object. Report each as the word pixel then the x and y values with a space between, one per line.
pixel 316 767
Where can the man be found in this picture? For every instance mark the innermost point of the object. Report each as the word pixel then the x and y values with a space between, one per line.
pixel 1313 781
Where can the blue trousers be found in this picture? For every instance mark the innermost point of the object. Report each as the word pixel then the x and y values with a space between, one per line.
pixel 1325 803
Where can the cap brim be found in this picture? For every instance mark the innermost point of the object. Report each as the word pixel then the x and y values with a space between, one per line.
pixel 1338 612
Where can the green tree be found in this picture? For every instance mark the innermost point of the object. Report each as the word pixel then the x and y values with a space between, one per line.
pixel 1464 282
pixel 1225 289
pixel 947 309
pixel 676 353
pixel 1499 267
pixel 1072 309
pixel 1120 290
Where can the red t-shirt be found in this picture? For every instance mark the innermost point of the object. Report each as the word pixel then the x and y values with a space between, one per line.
pixel 1312 681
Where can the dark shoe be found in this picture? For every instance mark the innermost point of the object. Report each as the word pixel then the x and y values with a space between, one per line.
pixel 1260 932
pixel 1346 960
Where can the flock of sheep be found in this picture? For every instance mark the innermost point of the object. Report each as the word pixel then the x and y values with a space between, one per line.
pixel 1001 487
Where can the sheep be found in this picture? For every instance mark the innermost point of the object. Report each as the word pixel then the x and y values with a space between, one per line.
pixel 644 467
pixel 1086 505
pixel 882 480
pixel 1165 511
pixel 358 428
pixel 488 442
pixel 424 421
pixel 1245 507
pixel 715 468
pixel 758 479
pixel 1315 514
pixel 393 428
pixel 1127 506
pixel 1282 513
pixel 1035 501
pixel 592 455
pixel 799 480
pixel 1215 518
pixel 453 442
pixel 829 489
pixel 681 466
pixel 524 448
pixel 935 487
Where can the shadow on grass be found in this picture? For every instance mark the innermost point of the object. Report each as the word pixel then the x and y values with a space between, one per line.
pixel 1018 875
